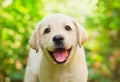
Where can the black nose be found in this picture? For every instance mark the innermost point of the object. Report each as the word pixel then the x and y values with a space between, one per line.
pixel 58 39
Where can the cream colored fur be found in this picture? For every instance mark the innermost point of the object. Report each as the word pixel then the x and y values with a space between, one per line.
pixel 41 67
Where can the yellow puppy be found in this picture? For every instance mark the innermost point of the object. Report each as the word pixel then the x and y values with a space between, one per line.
pixel 56 54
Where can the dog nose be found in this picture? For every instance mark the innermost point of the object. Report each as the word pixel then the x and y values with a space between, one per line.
pixel 58 39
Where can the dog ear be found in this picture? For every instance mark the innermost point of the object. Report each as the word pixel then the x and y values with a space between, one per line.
pixel 35 38
pixel 81 33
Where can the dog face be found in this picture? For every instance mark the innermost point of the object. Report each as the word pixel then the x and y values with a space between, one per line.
pixel 58 36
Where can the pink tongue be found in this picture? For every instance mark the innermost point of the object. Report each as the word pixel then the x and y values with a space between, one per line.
pixel 60 56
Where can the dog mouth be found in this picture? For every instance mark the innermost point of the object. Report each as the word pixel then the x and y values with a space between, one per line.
pixel 60 55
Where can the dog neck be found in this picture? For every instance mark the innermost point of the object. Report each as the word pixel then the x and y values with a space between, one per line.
pixel 77 64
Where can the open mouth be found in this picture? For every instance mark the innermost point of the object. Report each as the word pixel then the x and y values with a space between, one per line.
pixel 60 55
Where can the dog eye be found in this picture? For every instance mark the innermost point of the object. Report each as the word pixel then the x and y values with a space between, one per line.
pixel 47 30
pixel 68 28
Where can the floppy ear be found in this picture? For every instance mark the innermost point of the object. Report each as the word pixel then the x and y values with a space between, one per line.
pixel 81 33
pixel 35 38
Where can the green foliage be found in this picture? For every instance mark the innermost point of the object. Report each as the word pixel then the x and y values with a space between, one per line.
pixel 16 24
pixel 101 19
pixel 104 42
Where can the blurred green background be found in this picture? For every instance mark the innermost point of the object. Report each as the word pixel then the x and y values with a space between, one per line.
pixel 101 19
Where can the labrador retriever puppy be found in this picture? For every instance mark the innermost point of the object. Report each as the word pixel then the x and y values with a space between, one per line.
pixel 57 54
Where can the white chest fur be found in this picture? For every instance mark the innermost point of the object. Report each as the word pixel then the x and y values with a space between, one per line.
pixel 74 71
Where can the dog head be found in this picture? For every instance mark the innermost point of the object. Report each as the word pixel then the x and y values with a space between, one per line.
pixel 58 36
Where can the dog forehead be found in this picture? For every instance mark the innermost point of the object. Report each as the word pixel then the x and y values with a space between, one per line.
pixel 56 19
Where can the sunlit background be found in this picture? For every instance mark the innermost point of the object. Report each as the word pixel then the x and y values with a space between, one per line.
pixel 101 19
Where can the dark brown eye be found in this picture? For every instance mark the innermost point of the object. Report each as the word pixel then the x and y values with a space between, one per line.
pixel 68 28
pixel 47 30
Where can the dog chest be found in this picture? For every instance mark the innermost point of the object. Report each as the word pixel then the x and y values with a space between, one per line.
pixel 59 75
pixel 73 73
